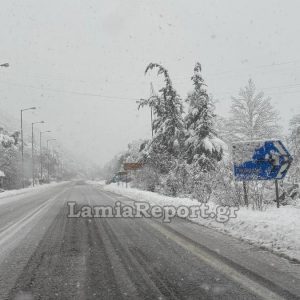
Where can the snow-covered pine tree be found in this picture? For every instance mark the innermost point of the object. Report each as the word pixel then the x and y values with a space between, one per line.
pixel 203 149
pixel 168 122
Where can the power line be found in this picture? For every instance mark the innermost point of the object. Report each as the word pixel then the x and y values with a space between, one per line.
pixel 47 77
pixel 245 70
pixel 61 78
pixel 72 92
pixel 289 86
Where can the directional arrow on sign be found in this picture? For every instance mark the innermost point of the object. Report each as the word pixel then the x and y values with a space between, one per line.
pixel 260 160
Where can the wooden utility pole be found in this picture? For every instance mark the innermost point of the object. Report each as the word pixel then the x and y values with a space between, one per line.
pixel 245 194
pixel 151 95
pixel 277 193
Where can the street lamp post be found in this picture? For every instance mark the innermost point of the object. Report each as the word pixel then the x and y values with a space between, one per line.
pixel 41 159
pixel 32 149
pixel 48 167
pixel 22 141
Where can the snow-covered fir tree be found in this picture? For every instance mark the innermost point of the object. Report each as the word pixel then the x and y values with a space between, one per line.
pixel 203 149
pixel 168 122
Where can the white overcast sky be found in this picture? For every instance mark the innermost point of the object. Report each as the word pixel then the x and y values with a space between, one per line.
pixel 64 52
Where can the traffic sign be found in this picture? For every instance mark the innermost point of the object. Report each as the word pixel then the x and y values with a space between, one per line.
pixel 260 160
pixel 132 166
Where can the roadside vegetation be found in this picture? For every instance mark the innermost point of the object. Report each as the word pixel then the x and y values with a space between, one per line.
pixel 11 163
pixel 190 152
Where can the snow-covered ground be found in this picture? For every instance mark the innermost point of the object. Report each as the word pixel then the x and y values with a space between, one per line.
pixel 4 196
pixel 274 229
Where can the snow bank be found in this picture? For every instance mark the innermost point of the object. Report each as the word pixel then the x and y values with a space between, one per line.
pixel 10 193
pixel 274 229
pixel 101 182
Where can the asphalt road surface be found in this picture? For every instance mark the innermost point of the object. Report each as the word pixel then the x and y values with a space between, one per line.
pixel 45 255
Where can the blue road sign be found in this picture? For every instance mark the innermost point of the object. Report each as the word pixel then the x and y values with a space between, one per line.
pixel 260 160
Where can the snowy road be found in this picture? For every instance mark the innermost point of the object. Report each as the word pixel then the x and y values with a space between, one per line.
pixel 45 255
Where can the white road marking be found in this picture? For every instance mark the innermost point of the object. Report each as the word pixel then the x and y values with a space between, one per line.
pixel 9 231
pixel 218 264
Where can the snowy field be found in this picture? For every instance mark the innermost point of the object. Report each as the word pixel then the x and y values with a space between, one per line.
pixel 274 229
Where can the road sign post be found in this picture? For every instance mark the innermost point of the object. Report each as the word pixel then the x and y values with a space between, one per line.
pixel 260 160
pixel 277 193
pixel 245 194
